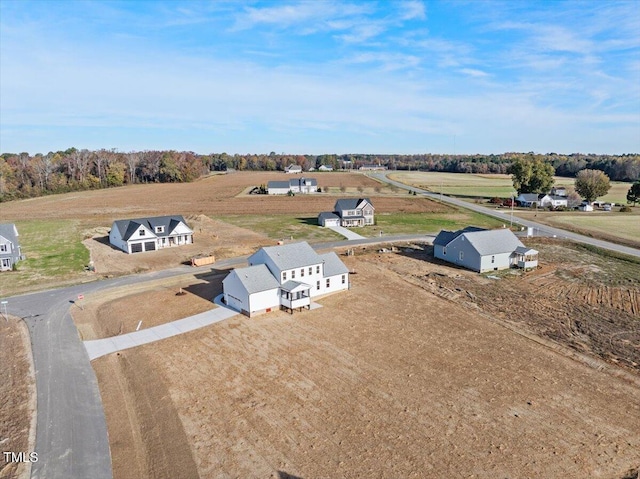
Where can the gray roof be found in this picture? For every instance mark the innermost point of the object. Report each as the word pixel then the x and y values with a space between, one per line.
pixel 529 196
pixel 128 227
pixel 289 256
pixel 493 241
pixel 525 250
pixel 278 184
pixel 10 232
pixel 294 167
pixel 292 285
pixel 332 265
pixel 558 197
pixel 328 215
pixel 445 237
pixel 350 203
pixel 256 278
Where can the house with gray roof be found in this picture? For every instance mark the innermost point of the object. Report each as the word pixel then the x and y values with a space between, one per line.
pixel 150 234
pixel 351 212
pixel 541 200
pixel 484 250
pixel 295 185
pixel 10 252
pixel 293 169
pixel 284 277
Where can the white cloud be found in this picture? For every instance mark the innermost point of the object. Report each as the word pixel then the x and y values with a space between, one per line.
pixel 412 9
pixel 472 72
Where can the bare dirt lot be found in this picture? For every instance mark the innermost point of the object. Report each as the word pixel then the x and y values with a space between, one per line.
pixel 17 396
pixel 386 380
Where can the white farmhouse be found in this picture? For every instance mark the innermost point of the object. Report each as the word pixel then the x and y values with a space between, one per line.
pixel 483 250
pixel 284 277
pixel 10 252
pixel 293 169
pixel 150 234
pixel 298 185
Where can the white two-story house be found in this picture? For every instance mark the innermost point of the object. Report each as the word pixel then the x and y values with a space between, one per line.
pixel 150 234
pixel 349 212
pixel 286 277
pixel 297 185
pixel 10 252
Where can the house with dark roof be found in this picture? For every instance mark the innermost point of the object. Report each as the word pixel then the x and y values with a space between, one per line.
pixel 284 277
pixel 484 250
pixel 297 185
pixel 150 234
pixel 350 212
pixel 10 252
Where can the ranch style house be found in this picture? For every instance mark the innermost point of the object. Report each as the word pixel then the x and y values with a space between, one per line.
pixel 293 169
pixel 541 200
pixel 284 277
pixel 10 252
pixel 484 250
pixel 150 234
pixel 298 185
pixel 349 212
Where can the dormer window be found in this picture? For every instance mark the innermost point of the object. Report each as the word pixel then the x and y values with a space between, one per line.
pixel 159 229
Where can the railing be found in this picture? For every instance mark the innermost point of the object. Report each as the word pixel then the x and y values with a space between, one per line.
pixel 295 303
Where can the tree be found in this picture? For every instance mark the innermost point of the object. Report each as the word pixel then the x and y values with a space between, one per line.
pixel 633 196
pixel 531 176
pixel 590 184
pixel 115 174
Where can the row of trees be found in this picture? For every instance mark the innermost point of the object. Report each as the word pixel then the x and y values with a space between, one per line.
pixel 23 175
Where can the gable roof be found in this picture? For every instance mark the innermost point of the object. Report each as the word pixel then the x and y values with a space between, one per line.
pixel 333 265
pixel 493 241
pixel 328 215
pixel 529 197
pixel 10 232
pixel 445 237
pixel 350 203
pixel 293 168
pixel 290 256
pixel 256 278
pixel 278 184
pixel 128 227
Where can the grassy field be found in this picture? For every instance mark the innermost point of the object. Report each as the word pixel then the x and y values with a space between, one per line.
pixel 280 227
pixel 401 223
pixel 54 253
pixel 487 186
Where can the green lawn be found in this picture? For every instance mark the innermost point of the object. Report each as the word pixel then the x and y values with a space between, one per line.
pixel 427 223
pixel 54 254
pixel 283 226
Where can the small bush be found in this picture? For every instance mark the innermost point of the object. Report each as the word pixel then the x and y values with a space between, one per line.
pixel 496 201
pixel 625 209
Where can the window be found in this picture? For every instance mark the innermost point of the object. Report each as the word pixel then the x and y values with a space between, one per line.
pixel 344 278
pixel 302 272
pixel 310 270
pixel 3 247
pixel 284 276
pixel 444 251
pixel 318 285
pixel 461 255
pixel 141 232
pixel 493 259
pixel 293 274
pixel 159 229
pixel 328 282
pixel 317 269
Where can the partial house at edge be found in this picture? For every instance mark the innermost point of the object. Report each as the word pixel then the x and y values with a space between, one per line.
pixel 484 250
pixel 349 212
pixel 284 277
pixel 10 251
pixel 150 234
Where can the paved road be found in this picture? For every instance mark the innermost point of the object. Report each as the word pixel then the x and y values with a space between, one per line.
pixel 71 431
pixel 505 215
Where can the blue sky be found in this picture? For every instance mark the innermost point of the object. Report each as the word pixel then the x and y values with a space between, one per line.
pixel 320 76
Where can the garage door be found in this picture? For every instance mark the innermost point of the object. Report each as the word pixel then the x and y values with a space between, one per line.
pixel 150 246
pixel 136 248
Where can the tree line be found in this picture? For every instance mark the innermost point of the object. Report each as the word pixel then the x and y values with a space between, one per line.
pixel 23 175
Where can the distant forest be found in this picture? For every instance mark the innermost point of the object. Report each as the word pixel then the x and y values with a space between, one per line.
pixel 25 176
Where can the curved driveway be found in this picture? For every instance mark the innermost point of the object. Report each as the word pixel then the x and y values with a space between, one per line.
pixel 543 230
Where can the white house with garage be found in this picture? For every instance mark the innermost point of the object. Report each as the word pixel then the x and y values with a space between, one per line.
pixel 10 252
pixel 349 212
pixel 484 250
pixel 293 169
pixel 150 234
pixel 284 277
pixel 297 185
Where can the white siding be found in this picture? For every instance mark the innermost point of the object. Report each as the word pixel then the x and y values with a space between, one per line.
pixel 235 294
pixel 263 300
pixel 500 261
pixel 335 284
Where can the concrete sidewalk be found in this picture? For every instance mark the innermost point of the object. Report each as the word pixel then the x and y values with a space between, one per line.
pixel 101 347
pixel 346 232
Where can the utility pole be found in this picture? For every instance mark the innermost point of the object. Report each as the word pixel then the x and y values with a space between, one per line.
pixel 512 201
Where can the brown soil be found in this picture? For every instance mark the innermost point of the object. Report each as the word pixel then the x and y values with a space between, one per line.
pixel 386 380
pixel 17 396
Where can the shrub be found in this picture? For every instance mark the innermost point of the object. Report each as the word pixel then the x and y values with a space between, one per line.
pixel 496 201
pixel 625 209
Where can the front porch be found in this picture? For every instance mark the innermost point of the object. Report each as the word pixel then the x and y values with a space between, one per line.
pixel 295 295
pixel 526 258
pixel 351 222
